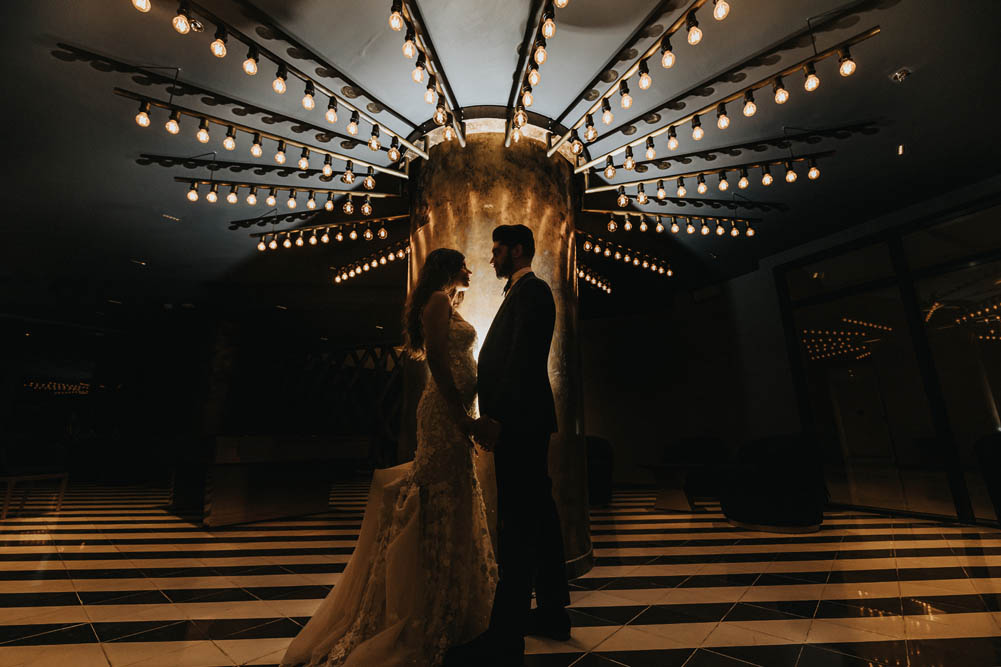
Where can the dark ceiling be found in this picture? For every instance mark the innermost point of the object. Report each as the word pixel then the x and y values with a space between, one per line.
pixel 88 228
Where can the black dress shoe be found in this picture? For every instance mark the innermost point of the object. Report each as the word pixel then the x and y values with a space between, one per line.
pixel 487 650
pixel 548 623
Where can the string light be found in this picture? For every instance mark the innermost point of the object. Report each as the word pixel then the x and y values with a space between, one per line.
pixel 250 64
pixel 233 197
pixel 142 118
pixel 353 123
pixel 534 76
pixel 644 81
pixel 326 235
pixel 394 150
pixel 369 181
pixel 606 112
pixel 252 197
pixel 720 229
pixel 590 132
pixel 540 51
pixel 661 191
pixel 629 162
pixel 273 243
pixel 643 225
pixel 660 226
pixel 721 9
pixel 308 99
pixel 814 172
pixel 609 167
pixel 612 225
pixel 627 224
pixel 331 114
pixel 651 152
pixel 329 204
pixel 271 199
pixel 449 130
pixel 790 173
pixel 690 227
pixel 846 65
pixel 256 149
pixel 373 141
pixel 340 236
pixel 641 196
pixel 548 24
pixel 181 22
pixel 418 73
pixel 697 131
pixel 743 182
pixel 173 124
pixel 373 261
pixel 261 245
pixel 623 198
pixel 229 143
pixel 193 192
pixel 562 3
pixel 526 96
pixel 304 159
pixel 287 242
pixel 213 194
pixel 142 5
pixel 781 94
pixel 576 145
pixel 812 81
pixel 280 153
pixel 704 230
pixel 667 57
pixel 312 238
pixel 672 139
pixel 750 108
pixel 766 176
pixel 682 191
pixel 431 90
pixel 353 234
pixel 396 16
pixel 368 235
pixel 366 207
pixel 291 203
pixel 724 184
pixel 348 176
pixel 328 166
pixel 311 201
pixel 701 185
pixel 218 45
pixel 409 45
pixel 675 227
pixel 594 280
pixel 203 132
pixel 722 120
pixel 626 100
pixel 694 33
pixel 383 233
pixel 279 85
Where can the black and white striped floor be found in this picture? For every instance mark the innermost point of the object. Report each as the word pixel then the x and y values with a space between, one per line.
pixel 114 579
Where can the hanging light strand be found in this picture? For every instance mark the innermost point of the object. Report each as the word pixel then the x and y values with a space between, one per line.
pixel 390 255
pixel 598 246
pixel 588 276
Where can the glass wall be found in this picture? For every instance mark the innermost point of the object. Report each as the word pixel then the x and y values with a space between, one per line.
pixel 899 349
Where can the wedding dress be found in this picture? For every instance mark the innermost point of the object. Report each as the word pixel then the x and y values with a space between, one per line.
pixel 423 574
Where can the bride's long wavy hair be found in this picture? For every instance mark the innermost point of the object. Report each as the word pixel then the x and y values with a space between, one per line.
pixel 441 267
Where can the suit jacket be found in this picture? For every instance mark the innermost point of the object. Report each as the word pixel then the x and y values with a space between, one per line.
pixel 513 382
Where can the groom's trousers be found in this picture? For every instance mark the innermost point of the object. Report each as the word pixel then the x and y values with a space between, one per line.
pixel 530 540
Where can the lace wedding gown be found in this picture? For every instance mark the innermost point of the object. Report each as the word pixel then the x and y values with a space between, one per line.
pixel 423 574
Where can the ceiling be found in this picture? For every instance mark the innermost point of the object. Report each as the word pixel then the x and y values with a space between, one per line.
pixel 88 229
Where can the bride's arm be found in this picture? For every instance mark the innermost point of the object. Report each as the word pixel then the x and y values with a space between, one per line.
pixel 435 320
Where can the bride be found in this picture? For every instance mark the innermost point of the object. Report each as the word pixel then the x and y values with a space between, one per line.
pixel 422 575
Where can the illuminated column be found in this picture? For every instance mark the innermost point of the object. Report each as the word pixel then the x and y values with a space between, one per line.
pixel 459 196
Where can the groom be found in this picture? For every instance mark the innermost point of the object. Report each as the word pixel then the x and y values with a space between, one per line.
pixel 519 416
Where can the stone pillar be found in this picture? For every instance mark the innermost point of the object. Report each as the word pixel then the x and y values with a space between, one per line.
pixel 458 196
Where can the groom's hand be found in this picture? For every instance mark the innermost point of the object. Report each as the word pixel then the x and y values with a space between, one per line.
pixel 486 431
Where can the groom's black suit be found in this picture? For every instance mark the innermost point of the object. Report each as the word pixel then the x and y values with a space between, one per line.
pixel 514 389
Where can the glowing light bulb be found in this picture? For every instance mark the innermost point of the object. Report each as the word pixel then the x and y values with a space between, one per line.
pixel 644 81
pixel 313 240
pixel 311 202
pixel 142 118
pixel 203 132
pixel 660 227
pixel 702 187
pixel 449 132
pixel 790 173
pixel 526 96
pixel 534 77
pixel 609 168
pixel 606 112
pixel 846 65
pixel 626 100
pixel 368 235
pixel 441 115
pixel 814 172
pixel 271 200
pixel 642 198
pixel 629 163
pixel 279 85
pixel 590 132
pixel 720 229
pixel 218 45
pixel 576 145
pixel 181 23
pixel 682 190
pixel 229 143
pixel 328 167
pixel 750 108
pixel 142 5
pixel 704 230
pixel 724 184
pixel 721 9
pixel 340 236
pixel 308 100
pixel 766 176
pixel 548 27
pixel 675 227
pixel 540 54
pixel 694 32
pixel 353 123
pixel 781 94
pixel 250 64
pixel 213 195
pixel 418 73
pixel 672 139
pixel 326 236
pixel 232 197
pixel 396 16
pixel 623 199
pixel 429 94
pixel 374 143
pixel 287 242
pixel 193 192
pixel 812 81
pixel 750 230
pixel 612 225
pixel 690 227
pixel 369 182
pixel 562 3
pixel 329 204
pixel 252 197
pixel 667 57
pixel 697 131
pixel 382 233
pixel 256 149
pixel 304 159
pixel 291 203
pixel 261 245
pixel 516 134
pixel 628 224
pixel 172 125
pixel 273 243
pixel 331 114
pixel 722 120
pixel 651 152
pixel 661 191
pixel 409 45
pixel 366 207
pixel 280 153
pixel 348 176
pixel 734 232
pixel 743 182
pixel 394 150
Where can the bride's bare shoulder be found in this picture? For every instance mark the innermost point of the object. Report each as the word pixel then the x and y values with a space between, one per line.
pixel 438 305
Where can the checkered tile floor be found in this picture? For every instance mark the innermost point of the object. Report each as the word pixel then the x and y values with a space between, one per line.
pixel 114 579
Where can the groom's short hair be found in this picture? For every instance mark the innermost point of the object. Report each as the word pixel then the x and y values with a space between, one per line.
pixel 512 235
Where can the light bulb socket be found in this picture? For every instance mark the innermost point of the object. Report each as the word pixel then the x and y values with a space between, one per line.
pixel 696 122
pixel 421 62
pixel 623 88
pixel 282 72
pixel 605 106
pixel 220 34
pixel 281 146
pixel 589 121
pixel 355 117
pixel 665 45
pixel 643 68
pixel 691 21
pixel 721 110
pixel 649 142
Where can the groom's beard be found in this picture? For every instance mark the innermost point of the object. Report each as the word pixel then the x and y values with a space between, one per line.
pixel 505 268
